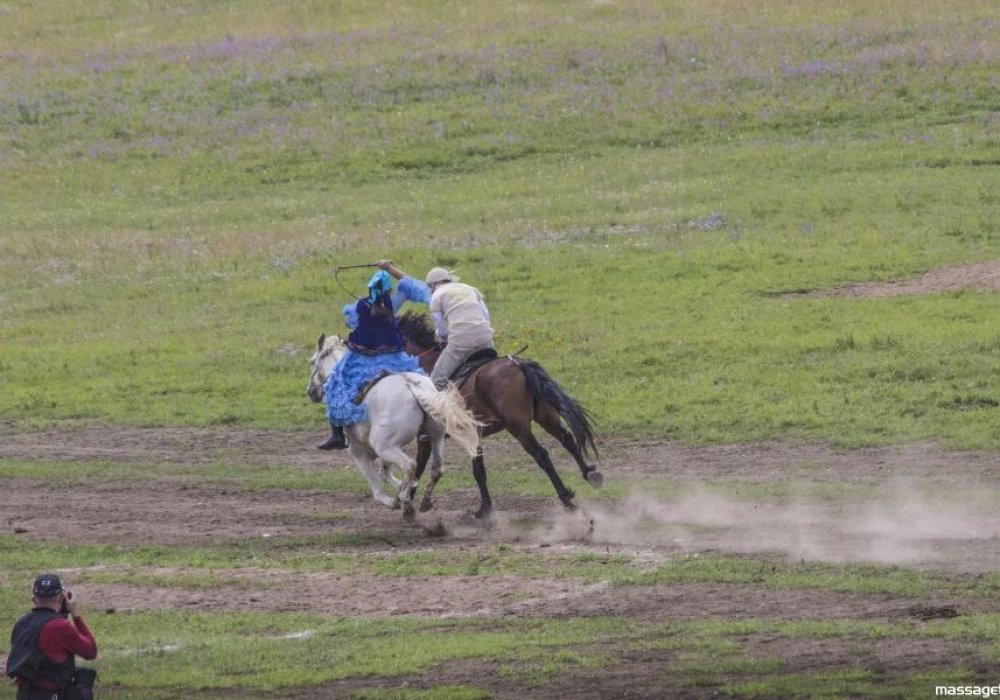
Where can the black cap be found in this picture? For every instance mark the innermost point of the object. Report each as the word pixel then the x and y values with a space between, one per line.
pixel 47 585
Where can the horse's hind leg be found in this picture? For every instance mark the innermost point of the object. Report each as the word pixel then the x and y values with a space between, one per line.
pixel 549 420
pixel 479 472
pixel 541 456
pixel 427 502
pixel 423 456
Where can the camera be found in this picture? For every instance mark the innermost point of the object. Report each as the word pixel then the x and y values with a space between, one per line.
pixel 64 608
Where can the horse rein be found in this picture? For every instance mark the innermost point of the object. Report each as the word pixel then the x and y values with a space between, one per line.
pixel 428 351
pixel 323 354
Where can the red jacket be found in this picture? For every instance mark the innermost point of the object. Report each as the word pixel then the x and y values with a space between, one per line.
pixel 59 640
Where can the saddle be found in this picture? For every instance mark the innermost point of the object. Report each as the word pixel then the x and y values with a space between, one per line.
pixel 369 385
pixel 472 363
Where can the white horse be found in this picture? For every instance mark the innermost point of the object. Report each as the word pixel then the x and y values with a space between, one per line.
pixel 399 407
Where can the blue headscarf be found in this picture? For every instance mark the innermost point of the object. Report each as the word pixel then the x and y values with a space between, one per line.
pixel 379 284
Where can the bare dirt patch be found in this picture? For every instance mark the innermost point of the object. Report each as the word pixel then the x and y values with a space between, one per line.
pixel 917 505
pixel 974 276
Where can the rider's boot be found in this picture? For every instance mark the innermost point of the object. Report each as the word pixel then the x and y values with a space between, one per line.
pixel 337 440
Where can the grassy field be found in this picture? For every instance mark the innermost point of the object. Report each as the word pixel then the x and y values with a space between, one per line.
pixel 629 185
pixel 641 189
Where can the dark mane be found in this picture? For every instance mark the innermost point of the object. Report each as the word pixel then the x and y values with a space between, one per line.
pixel 418 329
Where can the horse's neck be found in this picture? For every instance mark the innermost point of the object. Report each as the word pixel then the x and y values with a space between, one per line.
pixel 428 357
pixel 332 354
pixel 335 350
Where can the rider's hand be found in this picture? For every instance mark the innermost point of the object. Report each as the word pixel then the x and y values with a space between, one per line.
pixel 391 269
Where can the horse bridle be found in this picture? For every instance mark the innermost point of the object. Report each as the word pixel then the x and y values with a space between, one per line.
pixel 323 354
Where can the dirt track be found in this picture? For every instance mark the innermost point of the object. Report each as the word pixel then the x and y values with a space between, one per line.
pixel 919 505
pixel 934 506
pixel 923 506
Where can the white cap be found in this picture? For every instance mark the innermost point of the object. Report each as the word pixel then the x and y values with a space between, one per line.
pixel 439 274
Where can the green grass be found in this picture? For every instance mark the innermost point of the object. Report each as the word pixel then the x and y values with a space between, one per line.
pixel 143 654
pixel 629 186
pixel 862 579
pixel 295 650
pixel 444 692
pixel 743 367
pixel 516 478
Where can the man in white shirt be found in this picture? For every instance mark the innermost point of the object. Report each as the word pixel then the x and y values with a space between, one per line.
pixel 462 321
pixel 460 316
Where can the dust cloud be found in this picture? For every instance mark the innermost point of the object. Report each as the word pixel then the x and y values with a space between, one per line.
pixel 907 527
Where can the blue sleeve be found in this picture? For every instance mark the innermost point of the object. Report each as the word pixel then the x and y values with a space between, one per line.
pixel 351 315
pixel 410 289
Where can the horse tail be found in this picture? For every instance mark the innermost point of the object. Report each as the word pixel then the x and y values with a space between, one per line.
pixel 544 388
pixel 448 408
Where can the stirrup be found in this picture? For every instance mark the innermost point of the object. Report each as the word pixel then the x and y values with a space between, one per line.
pixel 336 441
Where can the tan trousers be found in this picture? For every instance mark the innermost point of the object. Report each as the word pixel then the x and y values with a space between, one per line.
pixel 450 360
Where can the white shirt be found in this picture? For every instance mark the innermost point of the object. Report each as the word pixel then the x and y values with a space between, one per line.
pixel 461 316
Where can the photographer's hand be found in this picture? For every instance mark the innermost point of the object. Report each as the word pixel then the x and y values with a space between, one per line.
pixel 71 604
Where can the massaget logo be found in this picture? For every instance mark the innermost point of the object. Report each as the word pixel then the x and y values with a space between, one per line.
pixel 969 691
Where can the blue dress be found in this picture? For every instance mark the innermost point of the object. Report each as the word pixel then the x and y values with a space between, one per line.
pixel 374 346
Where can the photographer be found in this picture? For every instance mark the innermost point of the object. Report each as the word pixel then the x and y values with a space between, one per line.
pixel 44 643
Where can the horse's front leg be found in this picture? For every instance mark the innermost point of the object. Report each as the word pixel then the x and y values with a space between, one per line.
pixel 388 478
pixel 364 460
pixel 396 455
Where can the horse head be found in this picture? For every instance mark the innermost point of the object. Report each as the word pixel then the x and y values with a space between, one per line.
pixel 329 350
pixel 417 330
pixel 419 337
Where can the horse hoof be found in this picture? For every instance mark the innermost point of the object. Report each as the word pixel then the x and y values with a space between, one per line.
pixel 480 517
pixel 386 500
pixel 437 530
pixel 409 514
pixel 426 506
pixel 596 479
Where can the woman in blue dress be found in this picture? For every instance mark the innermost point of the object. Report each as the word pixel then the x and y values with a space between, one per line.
pixel 374 346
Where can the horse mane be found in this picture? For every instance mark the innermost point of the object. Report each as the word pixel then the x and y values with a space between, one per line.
pixel 332 342
pixel 417 328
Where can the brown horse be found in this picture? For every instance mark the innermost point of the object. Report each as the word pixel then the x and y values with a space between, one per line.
pixel 509 394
